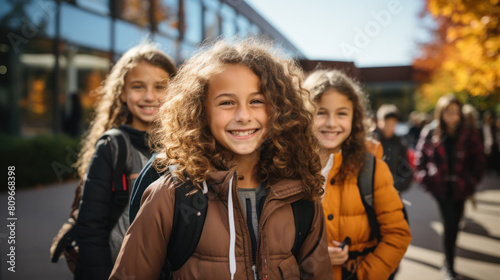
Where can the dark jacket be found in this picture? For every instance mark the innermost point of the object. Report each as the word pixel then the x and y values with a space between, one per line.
pixel 145 245
pixel 98 240
pixel 432 163
pixel 396 157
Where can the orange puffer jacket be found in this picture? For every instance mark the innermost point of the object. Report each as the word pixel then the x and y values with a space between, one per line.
pixel 375 147
pixel 346 216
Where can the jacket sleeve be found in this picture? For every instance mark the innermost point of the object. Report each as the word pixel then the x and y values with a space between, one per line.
pixel 404 170
pixel 421 157
pixel 144 247
pixel 476 149
pixel 314 261
pixel 394 229
pixel 92 225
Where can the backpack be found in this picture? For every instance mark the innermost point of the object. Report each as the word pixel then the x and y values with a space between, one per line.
pixel 190 211
pixel 365 186
pixel 64 242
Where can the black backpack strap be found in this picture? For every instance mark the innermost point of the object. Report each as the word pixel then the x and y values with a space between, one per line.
pixel 146 177
pixel 355 254
pixel 190 211
pixel 120 145
pixel 365 186
pixel 303 215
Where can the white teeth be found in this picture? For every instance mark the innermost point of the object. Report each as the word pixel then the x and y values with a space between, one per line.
pixel 243 133
pixel 331 133
pixel 149 108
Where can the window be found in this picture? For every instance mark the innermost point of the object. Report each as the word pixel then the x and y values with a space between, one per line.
pixel 28 19
pixel 187 51
pixel 167 17
pixel 167 45
pixel 243 26
pixel 211 24
pixel 193 24
pixel 135 11
pixel 128 35
pixel 100 6
pixel 29 107
pixel 255 30
pixel 90 67
pixel 84 28
pixel 229 28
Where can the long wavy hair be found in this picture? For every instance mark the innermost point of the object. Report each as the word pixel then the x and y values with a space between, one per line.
pixel 354 147
pixel 441 105
pixel 110 111
pixel 183 136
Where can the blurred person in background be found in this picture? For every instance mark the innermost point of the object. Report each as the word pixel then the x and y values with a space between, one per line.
pixel 415 126
pixel 395 147
pixel 497 127
pixel 471 116
pixel 450 162
pixel 490 135
pixel 471 119
pixel 72 115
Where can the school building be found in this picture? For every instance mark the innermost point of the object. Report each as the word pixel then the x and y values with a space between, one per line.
pixel 52 51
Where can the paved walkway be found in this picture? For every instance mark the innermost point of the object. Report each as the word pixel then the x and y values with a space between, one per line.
pixel 478 244
pixel 40 213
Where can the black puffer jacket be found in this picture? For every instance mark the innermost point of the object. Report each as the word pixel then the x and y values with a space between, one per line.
pixel 98 240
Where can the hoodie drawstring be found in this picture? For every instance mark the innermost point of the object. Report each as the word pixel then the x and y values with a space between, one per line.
pixel 205 187
pixel 327 168
pixel 232 235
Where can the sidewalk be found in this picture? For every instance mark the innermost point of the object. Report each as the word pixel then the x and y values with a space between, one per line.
pixel 478 244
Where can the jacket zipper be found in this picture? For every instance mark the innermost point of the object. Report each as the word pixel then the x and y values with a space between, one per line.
pixel 247 231
pixel 261 226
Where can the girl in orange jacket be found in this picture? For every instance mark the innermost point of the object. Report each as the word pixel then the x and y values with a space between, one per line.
pixel 340 127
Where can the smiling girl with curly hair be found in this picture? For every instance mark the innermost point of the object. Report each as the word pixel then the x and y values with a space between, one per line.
pixel 236 125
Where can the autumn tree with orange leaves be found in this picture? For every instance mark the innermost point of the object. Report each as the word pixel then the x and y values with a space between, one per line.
pixel 463 57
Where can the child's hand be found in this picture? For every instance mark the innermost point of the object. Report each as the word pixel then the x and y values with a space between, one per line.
pixel 338 255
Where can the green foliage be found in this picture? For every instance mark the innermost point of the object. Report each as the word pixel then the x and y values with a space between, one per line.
pixel 39 160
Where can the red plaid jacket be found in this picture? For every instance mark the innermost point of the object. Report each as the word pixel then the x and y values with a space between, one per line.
pixel 432 164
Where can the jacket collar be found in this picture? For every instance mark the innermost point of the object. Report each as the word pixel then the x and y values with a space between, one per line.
pixel 218 183
pixel 337 162
pixel 138 138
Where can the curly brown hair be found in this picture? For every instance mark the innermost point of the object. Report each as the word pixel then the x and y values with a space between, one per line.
pixel 109 111
pixel 183 136
pixel 354 147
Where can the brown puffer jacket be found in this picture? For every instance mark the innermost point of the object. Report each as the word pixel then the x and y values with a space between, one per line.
pixel 144 248
pixel 346 216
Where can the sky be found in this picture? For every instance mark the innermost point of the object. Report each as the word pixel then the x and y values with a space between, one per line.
pixel 367 32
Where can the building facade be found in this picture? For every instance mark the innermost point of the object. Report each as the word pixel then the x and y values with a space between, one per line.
pixel 51 50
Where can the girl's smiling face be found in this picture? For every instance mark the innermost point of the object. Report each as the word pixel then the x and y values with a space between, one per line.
pixel 333 121
pixel 144 85
pixel 237 110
